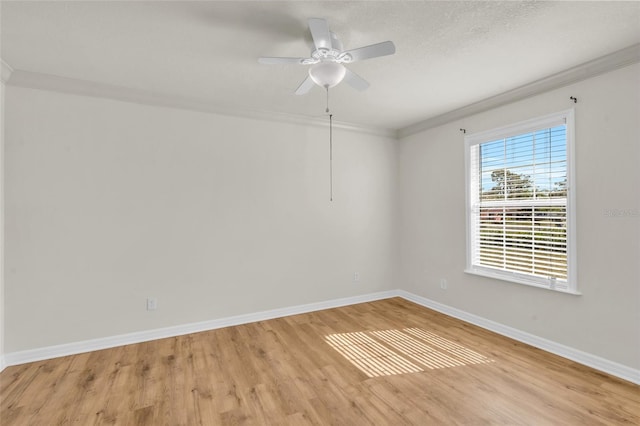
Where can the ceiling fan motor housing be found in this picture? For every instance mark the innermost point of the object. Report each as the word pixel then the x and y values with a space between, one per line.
pixel 334 54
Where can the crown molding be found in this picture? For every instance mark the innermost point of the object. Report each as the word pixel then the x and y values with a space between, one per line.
pixel 41 81
pixel 613 61
pixel 5 71
pixel 619 59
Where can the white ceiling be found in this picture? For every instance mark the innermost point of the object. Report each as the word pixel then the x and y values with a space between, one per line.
pixel 449 54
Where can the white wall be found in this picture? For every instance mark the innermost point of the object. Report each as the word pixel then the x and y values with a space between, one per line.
pixel 2 304
pixel 108 203
pixel 605 320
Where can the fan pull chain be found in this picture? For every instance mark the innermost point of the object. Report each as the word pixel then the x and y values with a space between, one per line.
pixel 327 110
pixel 330 147
pixel 330 156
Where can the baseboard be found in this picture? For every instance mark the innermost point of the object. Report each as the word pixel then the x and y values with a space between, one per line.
pixel 593 361
pixel 607 366
pixel 39 354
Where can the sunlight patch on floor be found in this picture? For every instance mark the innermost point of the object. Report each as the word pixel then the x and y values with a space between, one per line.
pixel 373 358
pixel 390 352
pixel 466 355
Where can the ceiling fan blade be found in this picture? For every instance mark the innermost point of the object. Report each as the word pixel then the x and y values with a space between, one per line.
pixel 275 61
pixel 305 86
pixel 320 33
pixel 371 51
pixel 355 81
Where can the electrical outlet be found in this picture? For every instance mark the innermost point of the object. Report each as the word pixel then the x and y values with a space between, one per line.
pixel 152 304
pixel 443 283
pixel 356 277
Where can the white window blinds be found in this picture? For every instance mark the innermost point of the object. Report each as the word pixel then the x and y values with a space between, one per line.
pixel 518 184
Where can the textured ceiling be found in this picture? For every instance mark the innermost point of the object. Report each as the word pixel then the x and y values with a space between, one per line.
pixel 449 54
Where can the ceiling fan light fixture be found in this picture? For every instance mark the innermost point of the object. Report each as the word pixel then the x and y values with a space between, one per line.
pixel 327 73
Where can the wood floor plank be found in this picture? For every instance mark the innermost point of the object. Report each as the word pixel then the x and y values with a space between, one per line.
pixel 284 372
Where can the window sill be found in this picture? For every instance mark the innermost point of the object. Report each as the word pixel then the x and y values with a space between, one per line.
pixel 516 279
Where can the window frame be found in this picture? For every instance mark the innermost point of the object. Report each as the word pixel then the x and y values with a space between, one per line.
pixel 512 130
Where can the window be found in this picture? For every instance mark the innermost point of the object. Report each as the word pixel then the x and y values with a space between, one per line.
pixel 519 203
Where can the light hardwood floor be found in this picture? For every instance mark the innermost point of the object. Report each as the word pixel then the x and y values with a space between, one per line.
pixel 287 371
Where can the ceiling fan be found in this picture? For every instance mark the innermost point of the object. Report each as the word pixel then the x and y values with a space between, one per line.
pixel 327 59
